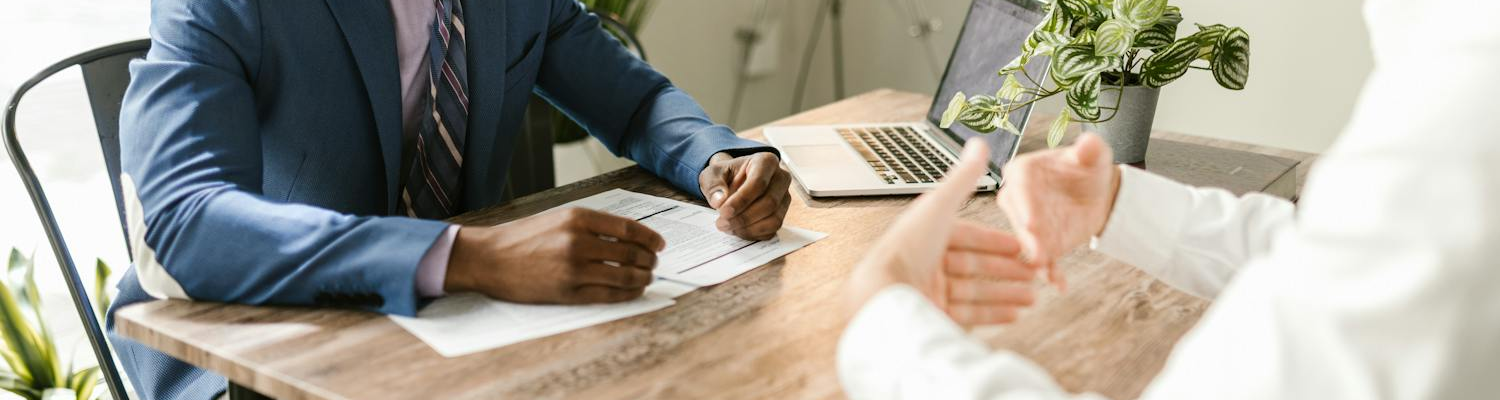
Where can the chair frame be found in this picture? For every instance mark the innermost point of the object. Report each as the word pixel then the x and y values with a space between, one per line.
pixel 81 302
pixel 93 327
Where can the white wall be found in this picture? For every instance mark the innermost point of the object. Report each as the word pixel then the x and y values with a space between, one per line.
pixel 1308 61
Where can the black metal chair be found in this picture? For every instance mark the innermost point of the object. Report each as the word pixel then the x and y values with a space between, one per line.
pixel 105 76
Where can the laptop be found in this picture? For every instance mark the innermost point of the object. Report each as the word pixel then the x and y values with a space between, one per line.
pixel 907 158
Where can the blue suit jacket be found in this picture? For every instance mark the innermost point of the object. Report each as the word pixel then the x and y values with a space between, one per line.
pixel 264 139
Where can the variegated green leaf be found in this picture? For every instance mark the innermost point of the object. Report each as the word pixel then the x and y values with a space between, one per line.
pixel 1172 16
pixel 1231 59
pixel 11 383
pixel 1140 12
pixel 102 299
pixel 22 341
pixel 1016 64
pixel 1076 60
pixel 82 382
pixel 1056 21
pixel 980 114
pixel 1169 64
pixel 1078 11
pixel 1083 98
pixel 1113 38
pixel 1059 127
pixel 955 107
pixel 1207 37
pixel 1098 14
pixel 15 363
pixel 1011 90
pixel 1160 34
pixel 1046 43
pixel 1007 126
pixel 23 281
pixel 1083 38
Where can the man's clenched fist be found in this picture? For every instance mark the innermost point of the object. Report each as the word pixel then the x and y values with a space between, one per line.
pixel 750 193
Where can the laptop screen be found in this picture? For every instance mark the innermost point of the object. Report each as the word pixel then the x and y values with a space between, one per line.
pixel 992 36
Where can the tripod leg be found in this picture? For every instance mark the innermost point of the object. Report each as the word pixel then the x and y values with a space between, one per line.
pixel 836 24
pixel 807 55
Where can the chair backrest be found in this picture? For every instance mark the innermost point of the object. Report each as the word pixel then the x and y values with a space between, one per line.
pixel 105 76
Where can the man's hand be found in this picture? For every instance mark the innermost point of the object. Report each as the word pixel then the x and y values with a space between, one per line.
pixel 971 272
pixel 750 193
pixel 569 256
pixel 1057 199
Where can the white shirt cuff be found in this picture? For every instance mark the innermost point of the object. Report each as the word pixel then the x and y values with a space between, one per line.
pixel 1146 222
pixel 900 346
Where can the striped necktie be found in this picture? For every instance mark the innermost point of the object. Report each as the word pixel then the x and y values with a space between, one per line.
pixel 433 186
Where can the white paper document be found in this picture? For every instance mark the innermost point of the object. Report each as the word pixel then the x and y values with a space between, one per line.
pixel 697 254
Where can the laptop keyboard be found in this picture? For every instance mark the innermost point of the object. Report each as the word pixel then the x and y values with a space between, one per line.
pixel 897 153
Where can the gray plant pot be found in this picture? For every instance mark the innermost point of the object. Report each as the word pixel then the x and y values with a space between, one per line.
pixel 1129 132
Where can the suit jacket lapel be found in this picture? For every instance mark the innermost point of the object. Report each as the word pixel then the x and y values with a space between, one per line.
pixel 371 33
pixel 486 36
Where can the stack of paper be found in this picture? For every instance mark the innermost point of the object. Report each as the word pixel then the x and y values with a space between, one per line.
pixel 697 254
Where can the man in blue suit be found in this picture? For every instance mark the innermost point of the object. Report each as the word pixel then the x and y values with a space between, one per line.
pixel 300 152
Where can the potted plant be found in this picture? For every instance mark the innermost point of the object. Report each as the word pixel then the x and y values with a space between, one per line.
pixel 1109 59
pixel 33 369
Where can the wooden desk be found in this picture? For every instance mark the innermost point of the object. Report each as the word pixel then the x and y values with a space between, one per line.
pixel 770 333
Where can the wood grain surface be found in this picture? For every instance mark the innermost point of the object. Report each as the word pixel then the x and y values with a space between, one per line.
pixel 770 333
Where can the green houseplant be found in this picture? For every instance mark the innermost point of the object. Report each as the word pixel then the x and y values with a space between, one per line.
pixel 33 369
pixel 1108 58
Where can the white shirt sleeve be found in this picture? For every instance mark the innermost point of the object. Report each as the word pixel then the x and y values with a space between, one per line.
pixel 900 346
pixel 1385 284
pixel 1193 239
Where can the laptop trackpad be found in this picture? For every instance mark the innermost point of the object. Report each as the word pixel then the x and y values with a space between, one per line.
pixel 820 157
pixel 829 166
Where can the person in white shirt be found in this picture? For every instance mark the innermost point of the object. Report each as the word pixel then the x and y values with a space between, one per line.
pixel 1383 283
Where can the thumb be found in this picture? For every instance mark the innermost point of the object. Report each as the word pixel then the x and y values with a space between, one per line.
pixel 959 185
pixel 716 186
pixel 1089 150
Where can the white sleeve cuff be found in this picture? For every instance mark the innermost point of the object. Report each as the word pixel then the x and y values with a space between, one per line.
pixel 883 341
pixel 1146 222
pixel 900 346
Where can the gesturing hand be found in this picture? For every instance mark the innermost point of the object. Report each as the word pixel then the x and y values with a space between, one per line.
pixel 971 272
pixel 557 257
pixel 1057 199
pixel 750 193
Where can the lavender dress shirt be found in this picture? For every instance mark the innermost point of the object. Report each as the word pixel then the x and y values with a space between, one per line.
pixel 413 30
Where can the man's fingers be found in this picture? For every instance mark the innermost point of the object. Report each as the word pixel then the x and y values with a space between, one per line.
pixel 766 227
pixel 621 228
pixel 625 277
pixel 758 173
pixel 765 206
pixel 986 314
pixel 626 254
pixel 604 294
pixel 985 265
pixel 970 236
pixel 984 291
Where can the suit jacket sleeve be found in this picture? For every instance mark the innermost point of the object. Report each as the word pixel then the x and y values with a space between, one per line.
pixel 190 142
pixel 630 107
